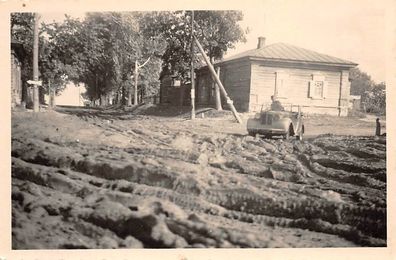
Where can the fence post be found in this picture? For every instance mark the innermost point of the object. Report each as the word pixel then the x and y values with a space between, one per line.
pixel 377 127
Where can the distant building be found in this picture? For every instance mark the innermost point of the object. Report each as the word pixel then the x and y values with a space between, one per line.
pixel 317 82
pixel 17 54
pixel 174 93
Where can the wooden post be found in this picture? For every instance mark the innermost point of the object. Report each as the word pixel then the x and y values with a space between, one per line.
pixel 377 127
pixel 51 95
pixel 36 107
pixel 136 74
pixel 192 69
pixel 217 93
pixel 128 94
pixel 135 92
pixel 223 91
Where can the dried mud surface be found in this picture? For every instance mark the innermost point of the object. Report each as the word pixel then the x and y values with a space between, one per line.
pixel 89 179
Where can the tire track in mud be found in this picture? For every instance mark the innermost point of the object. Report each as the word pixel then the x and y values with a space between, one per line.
pixel 163 192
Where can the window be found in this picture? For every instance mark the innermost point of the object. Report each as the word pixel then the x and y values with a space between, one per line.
pixel 318 91
pixel 317 87
pixel 176 83
pixel 281 84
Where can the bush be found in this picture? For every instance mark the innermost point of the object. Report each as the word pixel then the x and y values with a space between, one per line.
pixel 356 113
pixel 375 100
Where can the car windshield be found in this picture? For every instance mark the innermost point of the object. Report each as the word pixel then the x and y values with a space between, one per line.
pixel 288 107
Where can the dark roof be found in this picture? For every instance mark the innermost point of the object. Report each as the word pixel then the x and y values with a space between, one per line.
pixel 287 52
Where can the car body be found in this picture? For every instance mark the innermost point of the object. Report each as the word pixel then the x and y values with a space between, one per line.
pixel 277 123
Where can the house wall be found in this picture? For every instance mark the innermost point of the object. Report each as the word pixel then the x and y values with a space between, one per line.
pixel 296 87
pixel 174 95
pixel 165 85
pixel 235 78
pixel 16 81
pixel 345 92
pixel 204 87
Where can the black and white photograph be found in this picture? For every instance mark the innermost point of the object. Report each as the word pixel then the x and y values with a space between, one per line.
pixel 261 126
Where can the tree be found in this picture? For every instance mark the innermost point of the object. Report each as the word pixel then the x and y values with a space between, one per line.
pixel 123 45
pixel 101 52
pixel 22 32
pixel 375 100
pixel 217 31
pixel 51 65
pixel 360 82
pixel 58 53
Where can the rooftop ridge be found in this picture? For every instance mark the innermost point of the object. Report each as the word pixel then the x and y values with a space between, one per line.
pixel 286 51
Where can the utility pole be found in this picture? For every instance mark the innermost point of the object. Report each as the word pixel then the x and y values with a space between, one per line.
pixel 216 88
pixel 36 107
pixel 192 68
pixel 135 93
pixel 51 95
pixel 217 92
pixel 136 75
pixel 214 75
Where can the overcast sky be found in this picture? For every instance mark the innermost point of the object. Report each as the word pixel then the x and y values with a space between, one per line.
pixel 352 30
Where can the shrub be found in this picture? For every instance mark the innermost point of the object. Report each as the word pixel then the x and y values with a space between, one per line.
pixel 356 113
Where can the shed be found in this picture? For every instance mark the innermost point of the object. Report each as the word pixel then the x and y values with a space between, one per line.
pixel 173 92
pixel 316 82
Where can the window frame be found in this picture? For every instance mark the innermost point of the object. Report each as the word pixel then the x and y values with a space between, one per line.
pixel 313 85
pixel 281 84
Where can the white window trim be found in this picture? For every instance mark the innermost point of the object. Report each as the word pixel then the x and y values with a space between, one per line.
pixel 316 78
pixel 280 90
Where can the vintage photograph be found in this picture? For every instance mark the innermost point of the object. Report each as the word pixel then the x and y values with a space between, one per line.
pixel 199 128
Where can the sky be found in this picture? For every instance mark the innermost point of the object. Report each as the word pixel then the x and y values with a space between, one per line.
pixel 71 96
pixel 352 30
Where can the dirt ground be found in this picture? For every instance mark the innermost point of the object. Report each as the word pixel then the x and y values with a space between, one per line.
pixel 90 178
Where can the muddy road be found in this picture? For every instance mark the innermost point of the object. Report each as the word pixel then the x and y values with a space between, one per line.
pixel 85 178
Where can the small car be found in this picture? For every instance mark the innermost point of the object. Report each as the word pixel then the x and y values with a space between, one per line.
pixel 269 123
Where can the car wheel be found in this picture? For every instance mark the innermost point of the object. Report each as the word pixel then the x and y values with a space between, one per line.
pixel 288 133
pixel 300 137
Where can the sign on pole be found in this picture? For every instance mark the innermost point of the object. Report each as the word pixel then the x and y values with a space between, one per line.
pixel 35 82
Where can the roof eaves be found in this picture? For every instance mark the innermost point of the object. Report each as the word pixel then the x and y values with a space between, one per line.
pixel 232 60
pixel 350 64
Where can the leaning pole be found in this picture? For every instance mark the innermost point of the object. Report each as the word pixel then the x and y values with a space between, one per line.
pixel 223 91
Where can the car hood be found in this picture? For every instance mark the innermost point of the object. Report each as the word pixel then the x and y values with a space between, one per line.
pixel 284 113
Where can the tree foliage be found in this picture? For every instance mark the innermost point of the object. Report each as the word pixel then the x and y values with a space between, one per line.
pixel 372 95
pixel 22 32
pixel 360 81
pixel 51 66
pixel 100 51
pixel 375 100
pixel 217 32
